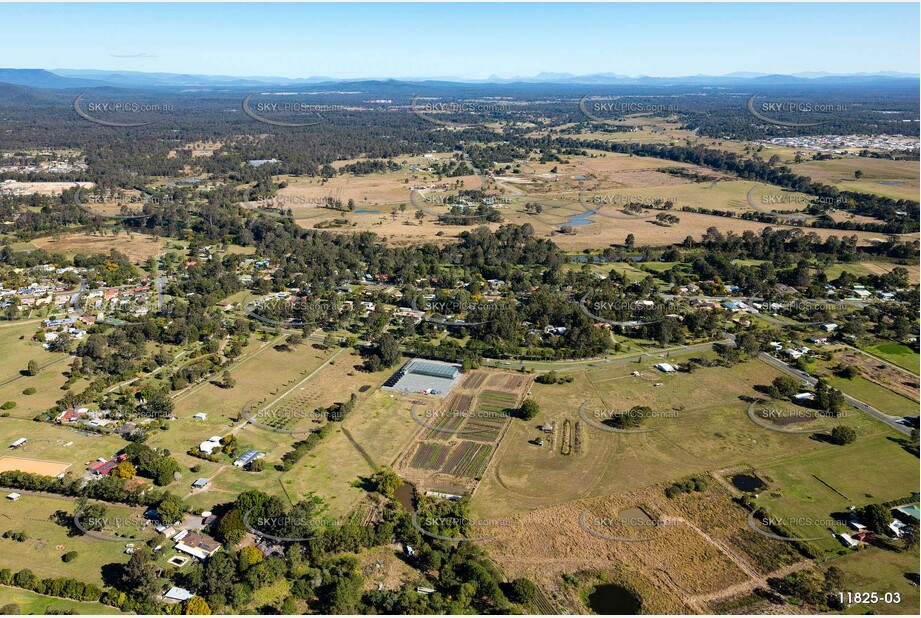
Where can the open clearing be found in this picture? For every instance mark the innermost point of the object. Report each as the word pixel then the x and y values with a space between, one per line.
pixel 820 485
pixel 899 354
pixel 33 466
pixel 42 188
pixel 700 547
pixel 896 179
pixel 35 604
pixel 48 540
pixel 138 247
pixel 702 425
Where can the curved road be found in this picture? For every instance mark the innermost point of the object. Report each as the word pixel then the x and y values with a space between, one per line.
pixel 895 423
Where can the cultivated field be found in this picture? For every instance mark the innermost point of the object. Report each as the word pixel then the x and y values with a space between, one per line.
pixel 457 438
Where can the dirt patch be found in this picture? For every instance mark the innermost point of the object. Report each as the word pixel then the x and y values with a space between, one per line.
pixel 885 375
pixel 33 466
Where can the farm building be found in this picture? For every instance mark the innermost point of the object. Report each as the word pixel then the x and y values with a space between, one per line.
pixel 247 458
pixel 666 368
pixel 200 483
pixel 18 443
pixel 426 377
pixel 13 496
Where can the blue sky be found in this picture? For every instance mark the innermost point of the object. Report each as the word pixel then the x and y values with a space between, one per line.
pixel 463 40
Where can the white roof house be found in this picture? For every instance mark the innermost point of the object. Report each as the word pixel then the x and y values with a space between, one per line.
pixel 847 540
pixel 208 446
pixel 177 594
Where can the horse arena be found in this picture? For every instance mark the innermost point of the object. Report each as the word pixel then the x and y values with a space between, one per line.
pixel 33 466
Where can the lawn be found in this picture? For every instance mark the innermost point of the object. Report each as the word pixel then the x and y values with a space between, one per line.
pixel 880 571
pixel 875 395
pixel 35 604
pixel 821 483
pixel 898 354
pixel 47 540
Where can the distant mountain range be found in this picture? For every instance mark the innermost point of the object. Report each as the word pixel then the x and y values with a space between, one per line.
pixel 91 78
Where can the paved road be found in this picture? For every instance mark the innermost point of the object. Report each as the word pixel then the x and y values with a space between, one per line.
pixel 895 423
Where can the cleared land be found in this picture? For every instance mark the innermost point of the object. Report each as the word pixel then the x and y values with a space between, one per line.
pixel 701 424
pixel 899 354
pixel 819 486
pixel 34 604
pixel 138 247
pixel 33 466
pixel 48 540
pixel 896 179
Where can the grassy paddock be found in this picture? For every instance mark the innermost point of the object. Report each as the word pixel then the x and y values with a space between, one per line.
pixel 34 604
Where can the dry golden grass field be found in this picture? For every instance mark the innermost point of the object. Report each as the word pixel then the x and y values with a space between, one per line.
pixel 895 179
pixel 138 247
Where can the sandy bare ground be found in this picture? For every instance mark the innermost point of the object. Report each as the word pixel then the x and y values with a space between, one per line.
pixel 42 188
pixel 33 466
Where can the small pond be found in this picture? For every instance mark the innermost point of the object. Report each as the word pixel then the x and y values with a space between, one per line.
pixel 405 495
pixel 747 482
pixel 611 599
pixel 580 219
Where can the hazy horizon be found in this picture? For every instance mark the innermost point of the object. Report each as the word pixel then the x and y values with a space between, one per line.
pixel 465 41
